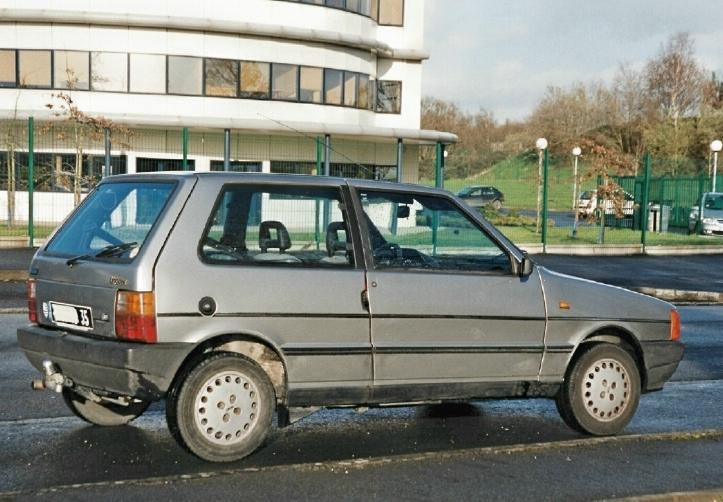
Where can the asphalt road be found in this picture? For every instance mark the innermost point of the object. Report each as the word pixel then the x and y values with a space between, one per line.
pixel 515 449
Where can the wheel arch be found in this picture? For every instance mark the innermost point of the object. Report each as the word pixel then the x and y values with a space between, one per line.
pixel 616 335
pixel 269 357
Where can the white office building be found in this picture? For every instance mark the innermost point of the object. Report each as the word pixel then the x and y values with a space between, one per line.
pixel 284 77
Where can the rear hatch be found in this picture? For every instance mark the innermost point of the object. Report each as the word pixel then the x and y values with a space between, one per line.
pixel 109 243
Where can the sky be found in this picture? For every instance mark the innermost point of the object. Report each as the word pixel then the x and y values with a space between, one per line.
pixel 501 55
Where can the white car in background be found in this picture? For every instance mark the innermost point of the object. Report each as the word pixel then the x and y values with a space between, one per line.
pixel 587 204
pixel 711 221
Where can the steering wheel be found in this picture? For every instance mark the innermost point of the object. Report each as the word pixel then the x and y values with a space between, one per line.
pixel 389 250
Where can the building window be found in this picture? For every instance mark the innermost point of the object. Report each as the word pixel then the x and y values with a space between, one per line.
pixel 365 7
pixel 255 80
pixel 350 84
pixel 363 95
pixel 375 10
pixel 391 12
pixel 311 84
pixel 109 71
pixel 284 81
pixel 221 77
pixel 185 75
pixel 333 86
pixel 8 68
pixel 146 165
pixel 291 167
pixel 148 73
pixel 71 70
pixel 237 166
pixel 389 96
pixel 338 4
pixel 352 5
pixel 34 68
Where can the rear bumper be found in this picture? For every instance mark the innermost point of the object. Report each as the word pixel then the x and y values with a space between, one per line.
pixel 131 369
pixel 661 361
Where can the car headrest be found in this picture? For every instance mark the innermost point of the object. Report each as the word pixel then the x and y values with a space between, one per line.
pixel 333 243
pixel 280 241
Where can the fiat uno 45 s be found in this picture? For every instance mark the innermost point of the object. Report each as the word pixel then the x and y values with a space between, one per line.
pixel 233 296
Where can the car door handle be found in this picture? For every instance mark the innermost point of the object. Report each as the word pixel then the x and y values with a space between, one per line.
pixel 365 300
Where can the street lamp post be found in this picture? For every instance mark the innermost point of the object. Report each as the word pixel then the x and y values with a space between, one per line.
pixel 716 146
pixel 576 152
pixel 541 145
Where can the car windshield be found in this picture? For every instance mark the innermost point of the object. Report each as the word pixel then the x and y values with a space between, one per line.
pixel 113 221
pixel 714 202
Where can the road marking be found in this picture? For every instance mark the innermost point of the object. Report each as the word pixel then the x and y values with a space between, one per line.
pixel 362 463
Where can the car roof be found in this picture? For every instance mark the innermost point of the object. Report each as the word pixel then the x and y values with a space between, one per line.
pixel 274 178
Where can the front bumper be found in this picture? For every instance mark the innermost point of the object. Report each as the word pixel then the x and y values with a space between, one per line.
pixel 124 368
pixel 661 361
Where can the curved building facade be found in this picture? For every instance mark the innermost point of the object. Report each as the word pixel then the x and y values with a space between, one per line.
pixel 283 76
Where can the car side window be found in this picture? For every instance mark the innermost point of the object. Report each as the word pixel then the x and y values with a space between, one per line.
pixel 421 232
pixel 281 226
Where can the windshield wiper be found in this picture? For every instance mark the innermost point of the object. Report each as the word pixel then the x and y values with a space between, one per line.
pixel 110 250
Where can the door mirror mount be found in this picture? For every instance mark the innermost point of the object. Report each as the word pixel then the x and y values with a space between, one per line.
pixel 526 266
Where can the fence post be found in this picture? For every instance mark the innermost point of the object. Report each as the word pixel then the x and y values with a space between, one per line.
pixel 107 171
pixel 439 166
pixel 646 195
pixel 227 150
pixel 400 159
pixel 317 204
pixel 601 211
pixel 184 141
pixel 31 180
pixel 545 180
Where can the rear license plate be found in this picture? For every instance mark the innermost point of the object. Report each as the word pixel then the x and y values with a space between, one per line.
pixel 71 315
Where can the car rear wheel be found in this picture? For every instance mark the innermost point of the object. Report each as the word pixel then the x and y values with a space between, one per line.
pixel 103 414
pixel 223 408
pixel 601 391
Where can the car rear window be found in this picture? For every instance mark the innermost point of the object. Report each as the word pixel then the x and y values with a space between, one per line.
pixel 116 217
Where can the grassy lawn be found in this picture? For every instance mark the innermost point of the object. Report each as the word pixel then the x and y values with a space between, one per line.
pixel 41 231
pixel 589 235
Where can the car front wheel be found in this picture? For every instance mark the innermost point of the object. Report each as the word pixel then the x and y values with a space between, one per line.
pixel 601 391
pixel 223 408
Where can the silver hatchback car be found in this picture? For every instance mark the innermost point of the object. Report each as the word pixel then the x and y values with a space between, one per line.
pixel 233 296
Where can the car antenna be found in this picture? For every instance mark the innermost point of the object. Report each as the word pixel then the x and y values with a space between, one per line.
pixel 308 136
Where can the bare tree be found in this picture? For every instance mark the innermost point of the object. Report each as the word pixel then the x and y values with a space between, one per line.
pixel 10 139
pixel 83 127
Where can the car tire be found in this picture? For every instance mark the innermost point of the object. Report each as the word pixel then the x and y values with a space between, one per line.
pixel 496 204
pixel 222 409
pixel 103 414
pixel 601 390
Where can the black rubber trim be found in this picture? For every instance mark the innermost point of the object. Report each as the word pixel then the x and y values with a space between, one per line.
pixel 609 319
pixel 353 316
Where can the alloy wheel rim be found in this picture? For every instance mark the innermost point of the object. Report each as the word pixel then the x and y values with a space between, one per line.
pixel 226 408
pixel 606 390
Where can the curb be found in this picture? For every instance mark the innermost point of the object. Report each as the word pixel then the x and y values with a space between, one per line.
pixel 700 496
pixel 677 295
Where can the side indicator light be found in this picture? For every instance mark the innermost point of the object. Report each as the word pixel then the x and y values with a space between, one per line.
pixel 674 325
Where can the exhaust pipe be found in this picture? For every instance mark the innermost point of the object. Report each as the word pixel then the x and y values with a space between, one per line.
pixel 52 379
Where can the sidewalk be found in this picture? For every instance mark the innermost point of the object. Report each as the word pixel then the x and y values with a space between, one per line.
pixel 694 278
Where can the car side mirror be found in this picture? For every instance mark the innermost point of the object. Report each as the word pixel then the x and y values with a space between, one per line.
pixel 526 266
pixel 402 212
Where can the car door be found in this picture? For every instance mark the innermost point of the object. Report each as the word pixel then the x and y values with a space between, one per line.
pixel 448 316
pixel 286 281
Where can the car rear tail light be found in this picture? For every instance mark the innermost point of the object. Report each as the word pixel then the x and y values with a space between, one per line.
pixel 135 316
pixel 674 325
pixel 32 301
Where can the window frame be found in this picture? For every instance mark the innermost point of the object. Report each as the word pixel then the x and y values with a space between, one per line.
pixel 236 86
pixel 18 83
pixel 345 198
pixel 363 230
pixel 7 83
pixel 168 76
pixel 88 69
